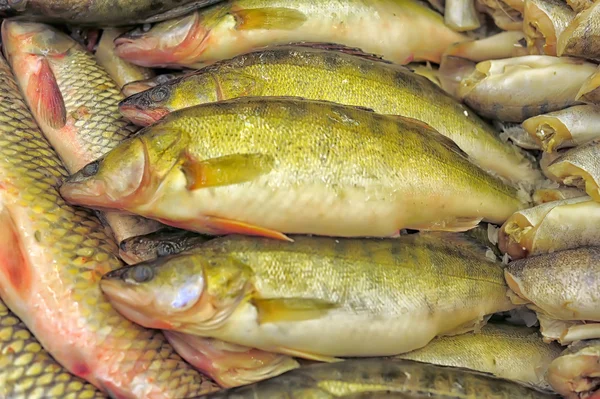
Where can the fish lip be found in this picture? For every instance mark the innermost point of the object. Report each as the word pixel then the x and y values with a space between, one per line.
pixel 142 117
pixel 73 193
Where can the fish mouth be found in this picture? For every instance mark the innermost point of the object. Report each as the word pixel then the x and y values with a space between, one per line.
pixel 142 117
pixel 85 193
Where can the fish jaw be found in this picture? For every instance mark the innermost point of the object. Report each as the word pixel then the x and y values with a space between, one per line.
pixel 141 116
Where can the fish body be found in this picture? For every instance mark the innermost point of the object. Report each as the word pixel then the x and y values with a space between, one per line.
pixel 382 379
pixel 398 30
pixel 51 260
pixel 579 37
pixel 164 242
pixel 543 22
pixel 269 165
pixel 336 76
pixel 317 297
pixel 74 101
pixel 574 374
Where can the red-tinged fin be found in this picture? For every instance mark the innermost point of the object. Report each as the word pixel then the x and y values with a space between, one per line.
pixel 45 96
pixel 13 261
pixel 227 226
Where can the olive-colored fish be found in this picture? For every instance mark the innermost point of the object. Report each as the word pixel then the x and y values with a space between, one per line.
pixel 575 374
pixel 26 369
pixel 398 30
pixel 383 379
pixel 544 195
pixel 74 101
pixel 51 260
pixel 230 365
pixel 580 37
pixel 317 297
pixel 163 242
pixel 511 352
pixel 507 14
pixel 569 127
pixel 461 15
pixel 554 226
pixel 141 85
pixel 272 165
pixel 579 167
pixel 342 78
pixel 121 71
pixel 590 90
pixel 99 12
pixel 543 22
pixel 561 285
pixel 515 89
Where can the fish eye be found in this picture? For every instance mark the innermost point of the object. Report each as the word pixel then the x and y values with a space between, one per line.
pixel 165 249
pixel 91 169
pixel 142 274
pixel 159 94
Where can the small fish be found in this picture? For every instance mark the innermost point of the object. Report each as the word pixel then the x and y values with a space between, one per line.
pixel 518 88
pixel 398 30
pixel 579 38
pixel 575 373
pixel 461 15
pixel 163 242
pixel 543 23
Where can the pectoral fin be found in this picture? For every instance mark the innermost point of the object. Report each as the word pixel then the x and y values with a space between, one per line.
pixel 290 309
pixel 45 96
pixel 268 18
pixel 225 170
pixel 306 355
pixel 222 226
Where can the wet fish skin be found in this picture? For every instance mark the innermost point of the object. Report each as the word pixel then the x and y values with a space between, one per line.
pixel 325 296
pixel 74 101
pixel 543 23
pixel 236 27
pixel 51 259
pixel 579 38
pixel 340 77
pixel 99 12
pixel 275 178
pixel 382 378
pixel 574 374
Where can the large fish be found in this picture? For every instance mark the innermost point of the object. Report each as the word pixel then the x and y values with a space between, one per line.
pixel 99 12
pixel 272 165
pixel 340 77
pixel 317 297
pixel 74 101
pixel 51 260
pixel 399 30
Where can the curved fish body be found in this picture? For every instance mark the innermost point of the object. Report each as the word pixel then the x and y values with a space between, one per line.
pixel 543 22
pixel 164 242
pixel 579 39
pixel 511 352
pixel 273 165
pixel 51 260
pixel 317 297
pixel 74 101
pixel 342 78
pixel 382 379
pixel 398 30
pixel 230 365
pixel 99 12
pixel 518 88
pixel 575 373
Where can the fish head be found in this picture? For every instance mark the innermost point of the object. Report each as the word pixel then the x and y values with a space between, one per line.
pixel 31 38
pixel 164 242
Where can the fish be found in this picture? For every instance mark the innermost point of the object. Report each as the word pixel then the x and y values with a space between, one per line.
pixel 543 23
pixel 51 260
pixel 164 242
pixel 141 85
pixel 589 92
pixel 544 195
pixel 517 135
pixel 198 169
pixel 461 15
pixel 360 79
pixel 560 285
pixel 228 364
pixel 507 14
pixel 574 374
pixel 426 70
pixel 580 5
pixel 550 227
pixel 452 72
pixel 382 379
pixel 122 72
pixel 566 128
pixel 27 370
pixel 515 89
pixel 578 167
pixel 578 37
pixel 74 101
pixel 318 298
pixel 511 352
pixel 546 160
pixel 398 30
pixel 103 13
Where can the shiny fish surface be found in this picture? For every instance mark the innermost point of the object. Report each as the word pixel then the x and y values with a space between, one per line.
pixel 580 37
pixel 382 379
pixel 575 373
pixel 515 89
pixel 51 260
pixel 317 297
pixel 325 181
pixel 543 22
pixel 398 30
pixel 554 226
pixel 74 101
pixel 342 78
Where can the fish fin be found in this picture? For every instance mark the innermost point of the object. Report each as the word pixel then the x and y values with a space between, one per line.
pixel 225 170
pixel 464 241
pixel 290 309
pixel 454 225
pixel 45 95
pixel 13 261
pixel 268 18
pixel 355 51
pixel 306 355
pixel 470 326
pixel 228 226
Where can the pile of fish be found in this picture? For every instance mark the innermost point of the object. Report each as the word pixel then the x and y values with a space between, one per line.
pixel 307 199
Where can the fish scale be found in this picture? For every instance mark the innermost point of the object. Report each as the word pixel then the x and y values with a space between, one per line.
pixel 51 261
